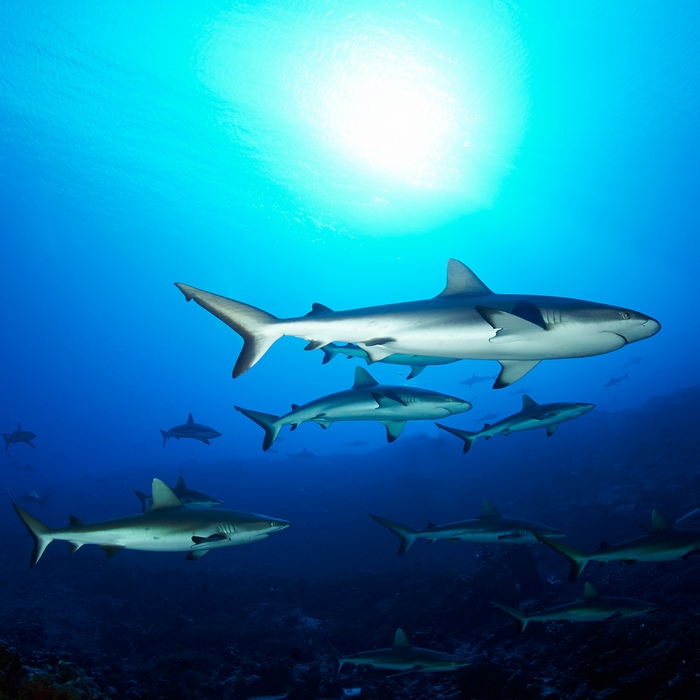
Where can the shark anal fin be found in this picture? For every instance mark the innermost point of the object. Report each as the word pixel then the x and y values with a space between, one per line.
pixel 509 327
pixel 111 549
pixel 512 370
pixel 315 344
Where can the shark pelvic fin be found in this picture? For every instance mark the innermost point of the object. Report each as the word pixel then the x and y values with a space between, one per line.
pixel 512 370
pixel 111 549
pixel 400 639
pixel 488 510
pixel 196 554
pixel 163 496
pixel 461 281
pixel 509 327
pixel 363 379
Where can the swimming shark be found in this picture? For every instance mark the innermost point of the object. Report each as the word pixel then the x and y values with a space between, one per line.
pixel 403 656
pixel 593 608
pixel 193 430
pixel 615 380
pixel 474 379
pixel 465 321
pixel 19 435
pixel 32 495
pixel 167 526
pixel 632 361
pixel 188 497
pixel 532 416
pixel 366 400
pixel 417 363
pixel 304 454
pixel 488 527
pixel 663 543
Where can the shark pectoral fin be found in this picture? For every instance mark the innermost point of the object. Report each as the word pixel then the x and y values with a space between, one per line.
pixel 615 616
pixel 509 327
pixel 394 397
pixel 415 371
pixel 212 538
pixel 394 428
pixel 510 536
pixel 111 549
pixel 512 370
pixel 195 554
pixel 387 399
pixel 322 420
pixel 205 441
pixel 628 561
pixel 551 429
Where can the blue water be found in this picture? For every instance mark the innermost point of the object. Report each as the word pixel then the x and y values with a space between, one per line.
pixel 334 152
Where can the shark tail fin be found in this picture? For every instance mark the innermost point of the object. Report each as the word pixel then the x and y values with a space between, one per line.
pixel 469 438
pixel 338 657
pixel 165 436
pixel 577 557
pixel 40 533
pixel 405 534
pixel 329 352
pixel 143 498
pixel 516 614
pixel 7 440
pixel 269 423
pixel 257 327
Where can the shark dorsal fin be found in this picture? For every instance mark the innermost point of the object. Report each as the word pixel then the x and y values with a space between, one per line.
pixel 658 522
pixel 180 483
pixel 190 419
pixel 295 406
pixel 589 591
pixel 400 639
pixel 163 496
pixel 19 427
pixel 363 379
pixel 74 522
pixel 528 402
pixel 461 281
pixel 317 308
pixel 430 526
pixel 488 510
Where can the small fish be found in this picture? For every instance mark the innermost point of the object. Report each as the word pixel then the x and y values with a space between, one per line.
pixel 193 430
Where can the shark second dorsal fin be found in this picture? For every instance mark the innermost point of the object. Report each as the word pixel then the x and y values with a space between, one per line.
pixel 180 483
pixel 488 510
pixel 461 281
pixel 163 496
pixel 528 402
pixel 589 591
pixel 400 639
pixel 363 379
pixel 658 522
pixel 190 419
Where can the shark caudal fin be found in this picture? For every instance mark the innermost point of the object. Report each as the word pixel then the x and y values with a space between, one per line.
pixel 338 657
pixel 266 421
pixel 40 533
pixel 405 534
pixel 7 440
pixel 469 438
pixel 165 436
pixel 514 613
pixel 256 327
pixel 578 557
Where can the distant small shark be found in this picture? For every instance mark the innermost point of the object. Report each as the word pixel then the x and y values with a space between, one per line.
pixel 465 321
pixel 474 379
pixel 488 527
pixel 632 361
pixel 366 400
pixel 663 543
pixel 32 495
pixel 168 526
pixel 616 380
pixel 193 430
pixel 417 363
pixel 485 417
pixel 356 443
pixel 593 608
pixel 17 436
pixel 188 497
pixel 532 416
pixel 304 454
pixel 402 656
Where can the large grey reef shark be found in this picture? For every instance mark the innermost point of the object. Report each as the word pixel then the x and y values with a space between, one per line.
pixel 532 416
pixel 403 656
pixel 488 527
pixel 465 321
pixel 663 543
pixel 366 400
pixel 193 430
pixel 188 497
pixel 167 526
pixel 417 363
pixel 593 608
pixel 19 435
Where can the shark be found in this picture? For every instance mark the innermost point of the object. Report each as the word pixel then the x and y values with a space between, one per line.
pixel 167 526
pixel 663 543
pixel 532 416
pixel 403 656
pixel 474 379
pixel 32 495
pixel 19 435
pixel 193 430
pixel 592 608
pixel 304 454
pixel 417 363
pixel 464 321
pixel 488 527
pixel 615 380
pixel 632 361
pixel 188 497
pixel 366 400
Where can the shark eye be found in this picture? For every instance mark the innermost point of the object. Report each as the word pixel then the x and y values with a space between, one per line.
pixel 626 315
